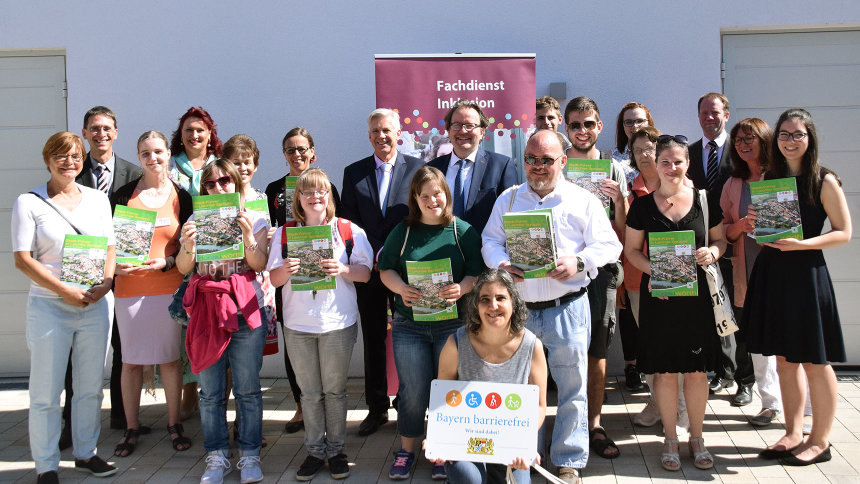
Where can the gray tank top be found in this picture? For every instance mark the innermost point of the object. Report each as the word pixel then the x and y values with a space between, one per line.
pixel 472 367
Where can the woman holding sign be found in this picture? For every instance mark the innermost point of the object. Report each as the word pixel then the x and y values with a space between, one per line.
pixel 227 289
pixel 494 346
pixel 677 334
pixel 320 325
pixel 63 317
pixel 444 255
pixel 145 288
pixel 790 307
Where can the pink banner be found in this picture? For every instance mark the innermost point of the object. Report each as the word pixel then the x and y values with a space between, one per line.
pixel 422 90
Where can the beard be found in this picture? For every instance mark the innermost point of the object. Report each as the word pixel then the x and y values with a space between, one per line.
pixel 540 185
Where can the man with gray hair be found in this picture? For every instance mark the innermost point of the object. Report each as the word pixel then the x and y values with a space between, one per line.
pixel 558 311
pixel 375 196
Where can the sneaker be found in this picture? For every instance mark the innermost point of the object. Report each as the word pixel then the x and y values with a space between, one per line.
pixel 49 477
pixel 401 469
pixel 438 473
pixel 632 378
pixel 250 467
pixel 309 468
pixel 217 466
pixel 649 415
pixel 95 466
pixel 338 466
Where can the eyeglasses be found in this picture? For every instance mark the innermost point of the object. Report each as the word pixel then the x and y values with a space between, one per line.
pixel 576 125
pixel 75 157
pixel 300 150
pixel 645 152
pixel 747 140
pixel 314 193
pixel 223 181
pixel 796 136
pixel 534 160
pixel 465 127
pixel 678 138
pixel 630 123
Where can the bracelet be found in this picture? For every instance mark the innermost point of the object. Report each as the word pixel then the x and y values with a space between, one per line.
pixel 252 246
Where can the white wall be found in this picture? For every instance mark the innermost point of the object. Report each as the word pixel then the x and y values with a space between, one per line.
pixel 268 66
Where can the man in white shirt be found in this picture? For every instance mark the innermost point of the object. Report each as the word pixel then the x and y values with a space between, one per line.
pixel 558 313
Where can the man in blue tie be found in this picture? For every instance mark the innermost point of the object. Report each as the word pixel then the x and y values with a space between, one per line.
pixel 476 177
pixel 375 196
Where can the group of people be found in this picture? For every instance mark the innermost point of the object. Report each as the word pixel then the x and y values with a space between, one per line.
pixel 395 208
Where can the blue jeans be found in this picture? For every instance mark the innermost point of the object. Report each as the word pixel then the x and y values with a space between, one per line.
pixel 244 356
pixel 565 332
pixel 321 363
pixel 481 473
pixel 54 328
pixel 416 355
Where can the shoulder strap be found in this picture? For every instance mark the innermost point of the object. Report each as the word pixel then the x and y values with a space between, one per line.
pixel 457 239
pixel 513 196
pixel 703 200
pixel 58 211
pixel 289 223
pixel 405 238
pixel 344 228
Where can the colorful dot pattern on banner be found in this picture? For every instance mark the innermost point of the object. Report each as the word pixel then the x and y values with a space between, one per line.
pixel 416 121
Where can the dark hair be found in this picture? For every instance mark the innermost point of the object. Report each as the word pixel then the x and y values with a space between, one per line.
pixel 714 95
pixel 298 131
pixel 99 110
pixel 241 144
pixel 671 142
pixel 228 168
pixel 176 146
pixel 60 144
pixel 581 104
pixel 620 134
pixel 649 132
pixel 759 129
pixel 519 314
pixel 547 102
pixel 810 170
pixel 428 174
pixel 466 103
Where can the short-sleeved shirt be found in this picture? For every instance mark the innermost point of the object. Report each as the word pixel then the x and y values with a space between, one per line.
pixel 39 228
pixel 432 242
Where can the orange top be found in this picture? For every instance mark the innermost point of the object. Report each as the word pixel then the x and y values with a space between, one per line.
pixel 165 241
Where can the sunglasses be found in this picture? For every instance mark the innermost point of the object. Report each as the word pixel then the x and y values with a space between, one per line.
pixel 534 160
pixel 678 138
pixel 223 181
pixel 576 125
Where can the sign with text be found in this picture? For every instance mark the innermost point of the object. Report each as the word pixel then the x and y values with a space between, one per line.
pixel 482 421
pixel 422 88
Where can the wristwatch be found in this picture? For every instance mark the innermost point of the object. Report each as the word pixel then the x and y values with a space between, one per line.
pixel 580 265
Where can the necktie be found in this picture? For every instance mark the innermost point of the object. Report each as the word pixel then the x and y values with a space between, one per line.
pixel 384 181
pixel 103 182
pixel 459 200
pixel 713 164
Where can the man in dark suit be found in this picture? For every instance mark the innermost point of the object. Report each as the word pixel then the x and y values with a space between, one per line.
pixel 710 167
pixel 375 196
pixel 106 171
pixel 476 182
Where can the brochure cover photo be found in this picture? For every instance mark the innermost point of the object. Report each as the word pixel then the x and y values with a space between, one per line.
pixel 310 245
pixel 673 263
pixel 530 241
pixel 84 260
pixel 218 234
pixel 260 206
pixel 589 174
pixel 289 190
pixel 429 277
pixel 134 228
pixel 777 209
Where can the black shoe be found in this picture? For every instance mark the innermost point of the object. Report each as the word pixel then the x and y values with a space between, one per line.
pixel 718 384
pixel 743 396
pixel 632 379
pixel 49 477
pixel 792 460
pixel 95 466
pixel 309 468
pixel 65 437
pixel 338 466
pixel 372 423
pixel 773 454
pixel 293 427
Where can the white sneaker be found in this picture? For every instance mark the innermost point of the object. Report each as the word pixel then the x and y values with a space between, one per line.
pixel 649 416
pixel 250 467
pixel 217 466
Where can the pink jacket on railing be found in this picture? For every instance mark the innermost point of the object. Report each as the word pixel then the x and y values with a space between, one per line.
pixel 213 315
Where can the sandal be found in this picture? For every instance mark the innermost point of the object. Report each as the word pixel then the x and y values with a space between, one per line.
pixel 180 442
pixel 671 460
pixel 126 446
pixel 602 446
pixel 702 459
